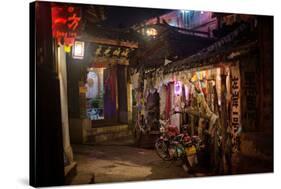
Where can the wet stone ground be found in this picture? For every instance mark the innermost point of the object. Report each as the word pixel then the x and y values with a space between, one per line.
pixel 118 163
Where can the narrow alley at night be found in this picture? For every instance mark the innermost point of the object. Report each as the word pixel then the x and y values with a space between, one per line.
pixel 134 94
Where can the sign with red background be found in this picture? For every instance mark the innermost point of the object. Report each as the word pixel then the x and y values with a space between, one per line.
pixel 65 23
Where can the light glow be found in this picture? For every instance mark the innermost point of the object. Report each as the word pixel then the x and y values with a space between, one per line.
pixel 78 50
pixel 185 11
pixel 178 88
pixel 151 32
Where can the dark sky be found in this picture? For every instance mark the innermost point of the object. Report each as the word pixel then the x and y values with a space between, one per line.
pixel 128 16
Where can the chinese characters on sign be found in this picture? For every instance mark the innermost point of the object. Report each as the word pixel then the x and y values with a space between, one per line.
pixel 235 103
pixel 65 24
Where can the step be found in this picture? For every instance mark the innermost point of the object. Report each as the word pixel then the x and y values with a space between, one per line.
pixel 83 179
pixel 108 133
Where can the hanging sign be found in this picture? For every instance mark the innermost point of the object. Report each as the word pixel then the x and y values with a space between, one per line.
pixel 65 24
pixel 235 104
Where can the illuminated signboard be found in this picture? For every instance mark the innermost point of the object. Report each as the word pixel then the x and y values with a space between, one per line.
pixel 65 24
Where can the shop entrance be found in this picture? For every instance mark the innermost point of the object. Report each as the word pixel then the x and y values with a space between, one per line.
pixel 101 95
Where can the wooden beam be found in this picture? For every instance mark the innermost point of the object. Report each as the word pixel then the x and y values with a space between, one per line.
pixel 105 41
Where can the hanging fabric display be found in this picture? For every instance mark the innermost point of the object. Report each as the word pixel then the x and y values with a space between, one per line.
pixel 204 87
pixel 218 85
pixel 162 94
pixel 140 103
pixel 152 109
pixel 228 86
pixel 211 96
pixel 187 92
pixel 168 101
pixel 135 80
pixel 110 93
pixel 157 83
pixel 144 87
pixel 175 101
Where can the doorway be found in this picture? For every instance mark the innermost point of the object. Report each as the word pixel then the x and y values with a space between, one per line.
pixel 101 96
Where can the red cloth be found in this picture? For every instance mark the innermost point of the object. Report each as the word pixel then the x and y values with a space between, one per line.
pixel 168 101
pixel 110 83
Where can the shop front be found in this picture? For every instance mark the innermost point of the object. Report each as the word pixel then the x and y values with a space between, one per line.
pixel 204 93
pixel 98 101
pixel 105 90
pixel 206 100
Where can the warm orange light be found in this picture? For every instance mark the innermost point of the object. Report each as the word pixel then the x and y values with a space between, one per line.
pixel 151 32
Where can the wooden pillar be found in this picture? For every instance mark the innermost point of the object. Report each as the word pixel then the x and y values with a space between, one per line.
pixel 122 93
pixel 64 103
pixel 223 118
pixel 46 144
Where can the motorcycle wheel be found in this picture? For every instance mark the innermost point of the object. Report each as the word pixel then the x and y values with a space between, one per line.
pixel 192 163
pixel 162 150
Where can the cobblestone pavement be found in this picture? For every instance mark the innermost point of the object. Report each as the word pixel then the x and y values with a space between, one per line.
pixel 120 161
pixel 117 163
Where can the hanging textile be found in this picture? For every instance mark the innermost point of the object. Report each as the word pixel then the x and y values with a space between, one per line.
pixel 211 95
pixel 184 104
pixel 183 98
pixel 152 109
pixel 168 101
pixel 204 87
pixel 228 88
pixel 145 87
pixel 135 80
pixel 205 110
pixel 175 105
pixel 187 92
pixel 218 85
pixel 110 92
pixel 163 94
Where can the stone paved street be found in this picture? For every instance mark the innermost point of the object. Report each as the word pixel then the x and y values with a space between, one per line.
pixel 121 161
pixel 115 163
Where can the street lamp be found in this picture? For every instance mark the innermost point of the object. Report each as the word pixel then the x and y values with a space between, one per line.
pixel 151 32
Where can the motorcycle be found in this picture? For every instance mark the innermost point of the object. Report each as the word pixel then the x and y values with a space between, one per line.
pixel 192 145
pixel 172 145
